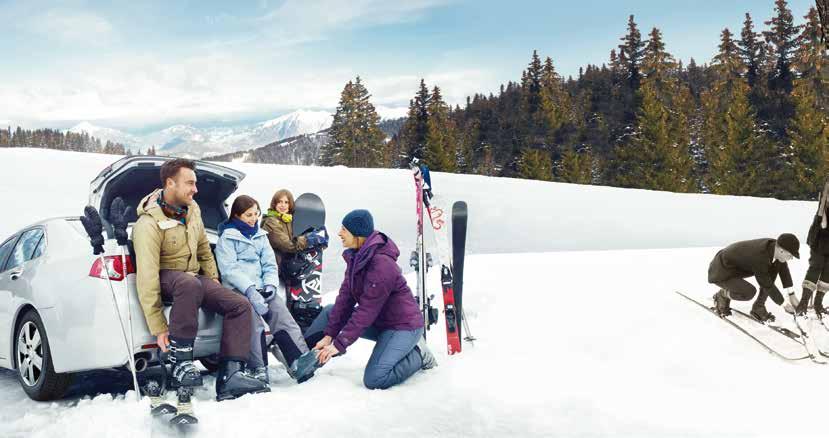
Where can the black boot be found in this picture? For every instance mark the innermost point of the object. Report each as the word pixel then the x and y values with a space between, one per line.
pixel 758 309
pixel 803 305
pixel 819 309
pixel 232 382
pixel 301 365
pixel 184 370
pixel 304 366
pixel 722 302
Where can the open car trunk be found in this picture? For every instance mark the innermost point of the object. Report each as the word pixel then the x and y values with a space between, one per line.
pixel 132 178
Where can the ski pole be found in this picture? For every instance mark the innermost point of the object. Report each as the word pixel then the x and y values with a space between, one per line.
pixel 91 221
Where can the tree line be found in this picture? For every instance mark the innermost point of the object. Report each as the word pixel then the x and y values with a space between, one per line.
pixel 752 122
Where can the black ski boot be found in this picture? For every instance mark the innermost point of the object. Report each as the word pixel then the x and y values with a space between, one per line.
pixel 819 309
pixel 304 366
pixel 803 305
pixel 758 309
pixel 722 302
pixel 233 382
pixel 184 371
pixel 259 373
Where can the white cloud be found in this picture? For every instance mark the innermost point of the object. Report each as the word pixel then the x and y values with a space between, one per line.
pixel 215 81
pixel 296 22
pixel 70 26
pixel 135 90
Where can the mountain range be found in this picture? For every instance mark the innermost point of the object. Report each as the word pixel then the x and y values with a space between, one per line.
pixel 194 142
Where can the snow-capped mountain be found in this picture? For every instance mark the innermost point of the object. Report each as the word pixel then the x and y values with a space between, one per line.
pixel 190 141
pixel 107 134
pixel 295 123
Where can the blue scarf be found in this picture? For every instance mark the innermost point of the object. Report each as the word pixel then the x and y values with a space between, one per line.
pixel 246 230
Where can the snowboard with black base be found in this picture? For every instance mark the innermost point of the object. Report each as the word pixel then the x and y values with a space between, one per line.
pixel 303 270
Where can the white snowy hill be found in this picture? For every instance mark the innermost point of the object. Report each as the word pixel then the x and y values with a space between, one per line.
pixel 186 140
pixel 569 290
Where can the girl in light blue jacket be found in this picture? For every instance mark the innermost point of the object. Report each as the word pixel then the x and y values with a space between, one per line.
pixel 247 264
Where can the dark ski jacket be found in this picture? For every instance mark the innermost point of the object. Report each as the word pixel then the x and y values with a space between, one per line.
pixel 818 237
pixel 751 258
pixel 375 285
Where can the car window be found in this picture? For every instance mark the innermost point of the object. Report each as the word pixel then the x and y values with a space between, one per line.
pixel 39 248
pixel 25 248
pixel 5 249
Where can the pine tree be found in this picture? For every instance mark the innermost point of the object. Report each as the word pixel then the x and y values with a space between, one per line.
pixel 535 164
pixel 738 153
pixel 810 60
pixel 576 166
pixel 419 129
pixel 440 151
pixel 356 139
pixel 749 50
pixel 782 38
pixel 630 54
pixel 531 86
pixel 655 160
pixel 555 107
pixel 630 59
pixel 809 140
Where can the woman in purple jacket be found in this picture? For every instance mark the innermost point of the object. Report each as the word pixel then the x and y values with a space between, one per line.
pixel 375 303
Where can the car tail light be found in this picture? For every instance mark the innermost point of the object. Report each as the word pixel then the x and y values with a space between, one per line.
pixel 111 267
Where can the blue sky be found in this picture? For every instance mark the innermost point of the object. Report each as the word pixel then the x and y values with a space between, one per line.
pixel 136 65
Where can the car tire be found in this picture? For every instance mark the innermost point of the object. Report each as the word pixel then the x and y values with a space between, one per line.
pixel 40 383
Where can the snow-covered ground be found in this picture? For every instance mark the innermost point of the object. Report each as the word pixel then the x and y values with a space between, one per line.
pixel 569 290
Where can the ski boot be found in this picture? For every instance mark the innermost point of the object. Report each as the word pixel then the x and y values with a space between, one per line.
pixel 722 303
pixel 259 373
pixel 304 366
pixel 184 371
pixel 819 309
pixel 426 355
pixel 232 382
pixel 301 366
pixel 803 305
pixel 758 309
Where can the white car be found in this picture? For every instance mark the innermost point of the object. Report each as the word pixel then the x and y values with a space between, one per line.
pixel 57 313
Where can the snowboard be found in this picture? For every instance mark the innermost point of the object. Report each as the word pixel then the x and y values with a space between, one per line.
pixel 303 274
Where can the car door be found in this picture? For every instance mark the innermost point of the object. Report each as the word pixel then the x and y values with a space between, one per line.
pixel 16 278
pixel 5 297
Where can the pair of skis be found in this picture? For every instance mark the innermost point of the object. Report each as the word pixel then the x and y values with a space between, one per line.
pixel 451 275
pixel 182 413
pixel 803 338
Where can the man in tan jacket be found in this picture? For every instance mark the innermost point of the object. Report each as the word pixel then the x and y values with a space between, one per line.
pixel 174 263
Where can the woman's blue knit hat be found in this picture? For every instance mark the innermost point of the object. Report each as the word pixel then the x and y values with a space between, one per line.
pixel 359 223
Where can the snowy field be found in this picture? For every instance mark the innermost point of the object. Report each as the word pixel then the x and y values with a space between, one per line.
pixel 569 290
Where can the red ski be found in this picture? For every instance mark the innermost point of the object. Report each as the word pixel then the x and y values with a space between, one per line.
pixel 434 206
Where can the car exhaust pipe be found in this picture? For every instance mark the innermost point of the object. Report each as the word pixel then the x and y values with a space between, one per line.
pixel 140 363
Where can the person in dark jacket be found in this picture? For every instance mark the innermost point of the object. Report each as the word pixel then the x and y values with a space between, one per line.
pixel 762 259
pixel 817 276
pixel 375 303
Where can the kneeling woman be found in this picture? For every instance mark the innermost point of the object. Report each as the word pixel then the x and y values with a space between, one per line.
pixel 248 264
pixel 375 303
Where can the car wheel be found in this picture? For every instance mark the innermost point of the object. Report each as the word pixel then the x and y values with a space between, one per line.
pixel 210 363
pixel 33 361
